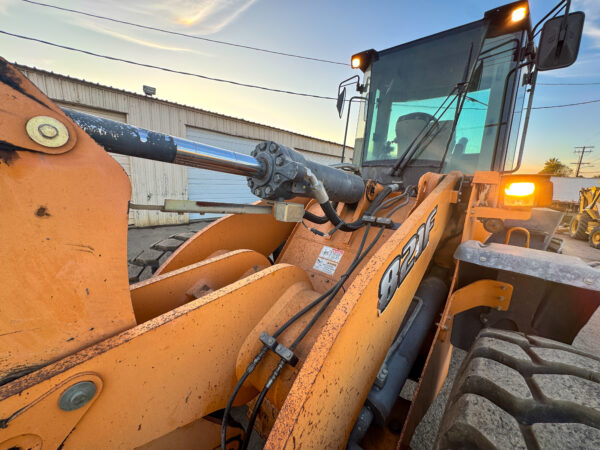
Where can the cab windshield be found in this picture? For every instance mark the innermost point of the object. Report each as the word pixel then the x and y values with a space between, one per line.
pixel 437 102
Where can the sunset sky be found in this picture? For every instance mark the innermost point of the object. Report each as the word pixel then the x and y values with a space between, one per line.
pixel 332 30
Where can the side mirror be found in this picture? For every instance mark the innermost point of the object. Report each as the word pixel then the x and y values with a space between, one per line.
pixel 559 42
pixel 340 101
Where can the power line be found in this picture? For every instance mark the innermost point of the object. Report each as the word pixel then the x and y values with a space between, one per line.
pixel 221 80
pixel 569 84
pixel 166 69
pixel 176 33
pixel 566 105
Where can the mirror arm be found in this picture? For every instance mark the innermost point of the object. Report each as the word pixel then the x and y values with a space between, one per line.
pixel 563 29
pixel 543 19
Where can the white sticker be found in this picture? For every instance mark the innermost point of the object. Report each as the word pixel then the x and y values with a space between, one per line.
pixel 328 260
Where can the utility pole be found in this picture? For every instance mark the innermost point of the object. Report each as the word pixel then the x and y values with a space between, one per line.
pixel 581 151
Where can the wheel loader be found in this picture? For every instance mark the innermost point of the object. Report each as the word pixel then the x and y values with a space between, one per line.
pixel 295 322
pixel 586 224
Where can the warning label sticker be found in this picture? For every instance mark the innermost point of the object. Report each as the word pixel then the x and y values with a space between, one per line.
pixel 328 260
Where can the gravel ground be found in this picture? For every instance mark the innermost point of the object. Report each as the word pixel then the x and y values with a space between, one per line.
pixel 424 437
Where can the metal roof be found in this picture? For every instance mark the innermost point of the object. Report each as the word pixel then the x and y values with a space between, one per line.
pixel 123 91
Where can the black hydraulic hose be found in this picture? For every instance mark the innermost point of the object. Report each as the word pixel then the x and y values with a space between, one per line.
pixel 315 219
pixel 377 204
pixel 332 293
pixel 257 359
pixel 339 223
pixel 259 401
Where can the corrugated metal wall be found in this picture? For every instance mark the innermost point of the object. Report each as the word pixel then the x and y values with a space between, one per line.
pixel 153 182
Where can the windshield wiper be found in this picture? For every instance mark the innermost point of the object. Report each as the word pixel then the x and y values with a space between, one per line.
pixel 462 89
pixel 428 127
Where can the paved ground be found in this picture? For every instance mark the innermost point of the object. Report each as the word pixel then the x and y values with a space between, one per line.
pixel 588 338
pixel 579 248
pixel 139 239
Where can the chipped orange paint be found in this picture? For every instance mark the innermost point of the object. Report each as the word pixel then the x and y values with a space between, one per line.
pixel 336 377
pixel 162 374
pixel 63 246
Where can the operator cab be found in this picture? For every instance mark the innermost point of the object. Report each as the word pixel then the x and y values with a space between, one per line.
pixel 450 101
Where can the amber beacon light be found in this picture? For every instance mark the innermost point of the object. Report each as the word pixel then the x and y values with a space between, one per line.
pixel 518 14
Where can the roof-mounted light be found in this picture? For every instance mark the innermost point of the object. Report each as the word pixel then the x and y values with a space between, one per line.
pixel 363 60
pixel 518 14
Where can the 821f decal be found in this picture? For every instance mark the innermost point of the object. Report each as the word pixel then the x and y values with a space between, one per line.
pixel 402 264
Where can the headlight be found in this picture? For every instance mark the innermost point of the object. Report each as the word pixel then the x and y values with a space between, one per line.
pixel 521 189
pixel 525 191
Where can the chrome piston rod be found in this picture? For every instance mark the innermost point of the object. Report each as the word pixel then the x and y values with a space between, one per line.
pixel 130 140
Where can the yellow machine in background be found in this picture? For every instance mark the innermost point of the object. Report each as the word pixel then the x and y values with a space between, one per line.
pixel 586 224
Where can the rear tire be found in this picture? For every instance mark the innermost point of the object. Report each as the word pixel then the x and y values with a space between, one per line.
pixel 578 227
pixel 594 239
pixel 517 391
pixel 148 261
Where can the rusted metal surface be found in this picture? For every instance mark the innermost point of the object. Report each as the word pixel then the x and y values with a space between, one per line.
pixel 335 378
pixel 64 272
pixel 162 374
pixel 162 293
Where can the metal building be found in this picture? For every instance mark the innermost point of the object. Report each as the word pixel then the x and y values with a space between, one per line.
pixel 153 182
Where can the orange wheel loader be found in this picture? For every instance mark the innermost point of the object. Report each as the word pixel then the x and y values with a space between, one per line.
pixel 296 321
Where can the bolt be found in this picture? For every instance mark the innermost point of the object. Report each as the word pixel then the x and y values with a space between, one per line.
pixel 499 308
pixel 588 281
pixel 268 190
pixel 273 147
pixel 257 192
pixel 77 396
pixel 503 288
pixel 501 298
pixel 48 131
pixel 262 145
pixel 279 161
pixel 277 178
pixel 472 211
pixel 482 259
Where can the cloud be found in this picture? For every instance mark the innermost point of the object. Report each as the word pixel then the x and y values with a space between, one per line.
pixel 592 19
pixel 145 43
pixel 5 5
pixel 195 16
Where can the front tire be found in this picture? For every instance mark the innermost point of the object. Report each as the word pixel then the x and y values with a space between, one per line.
pixel 578 227
pixel 518 391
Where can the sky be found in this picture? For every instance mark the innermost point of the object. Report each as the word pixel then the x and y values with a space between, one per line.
pixel 332 30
